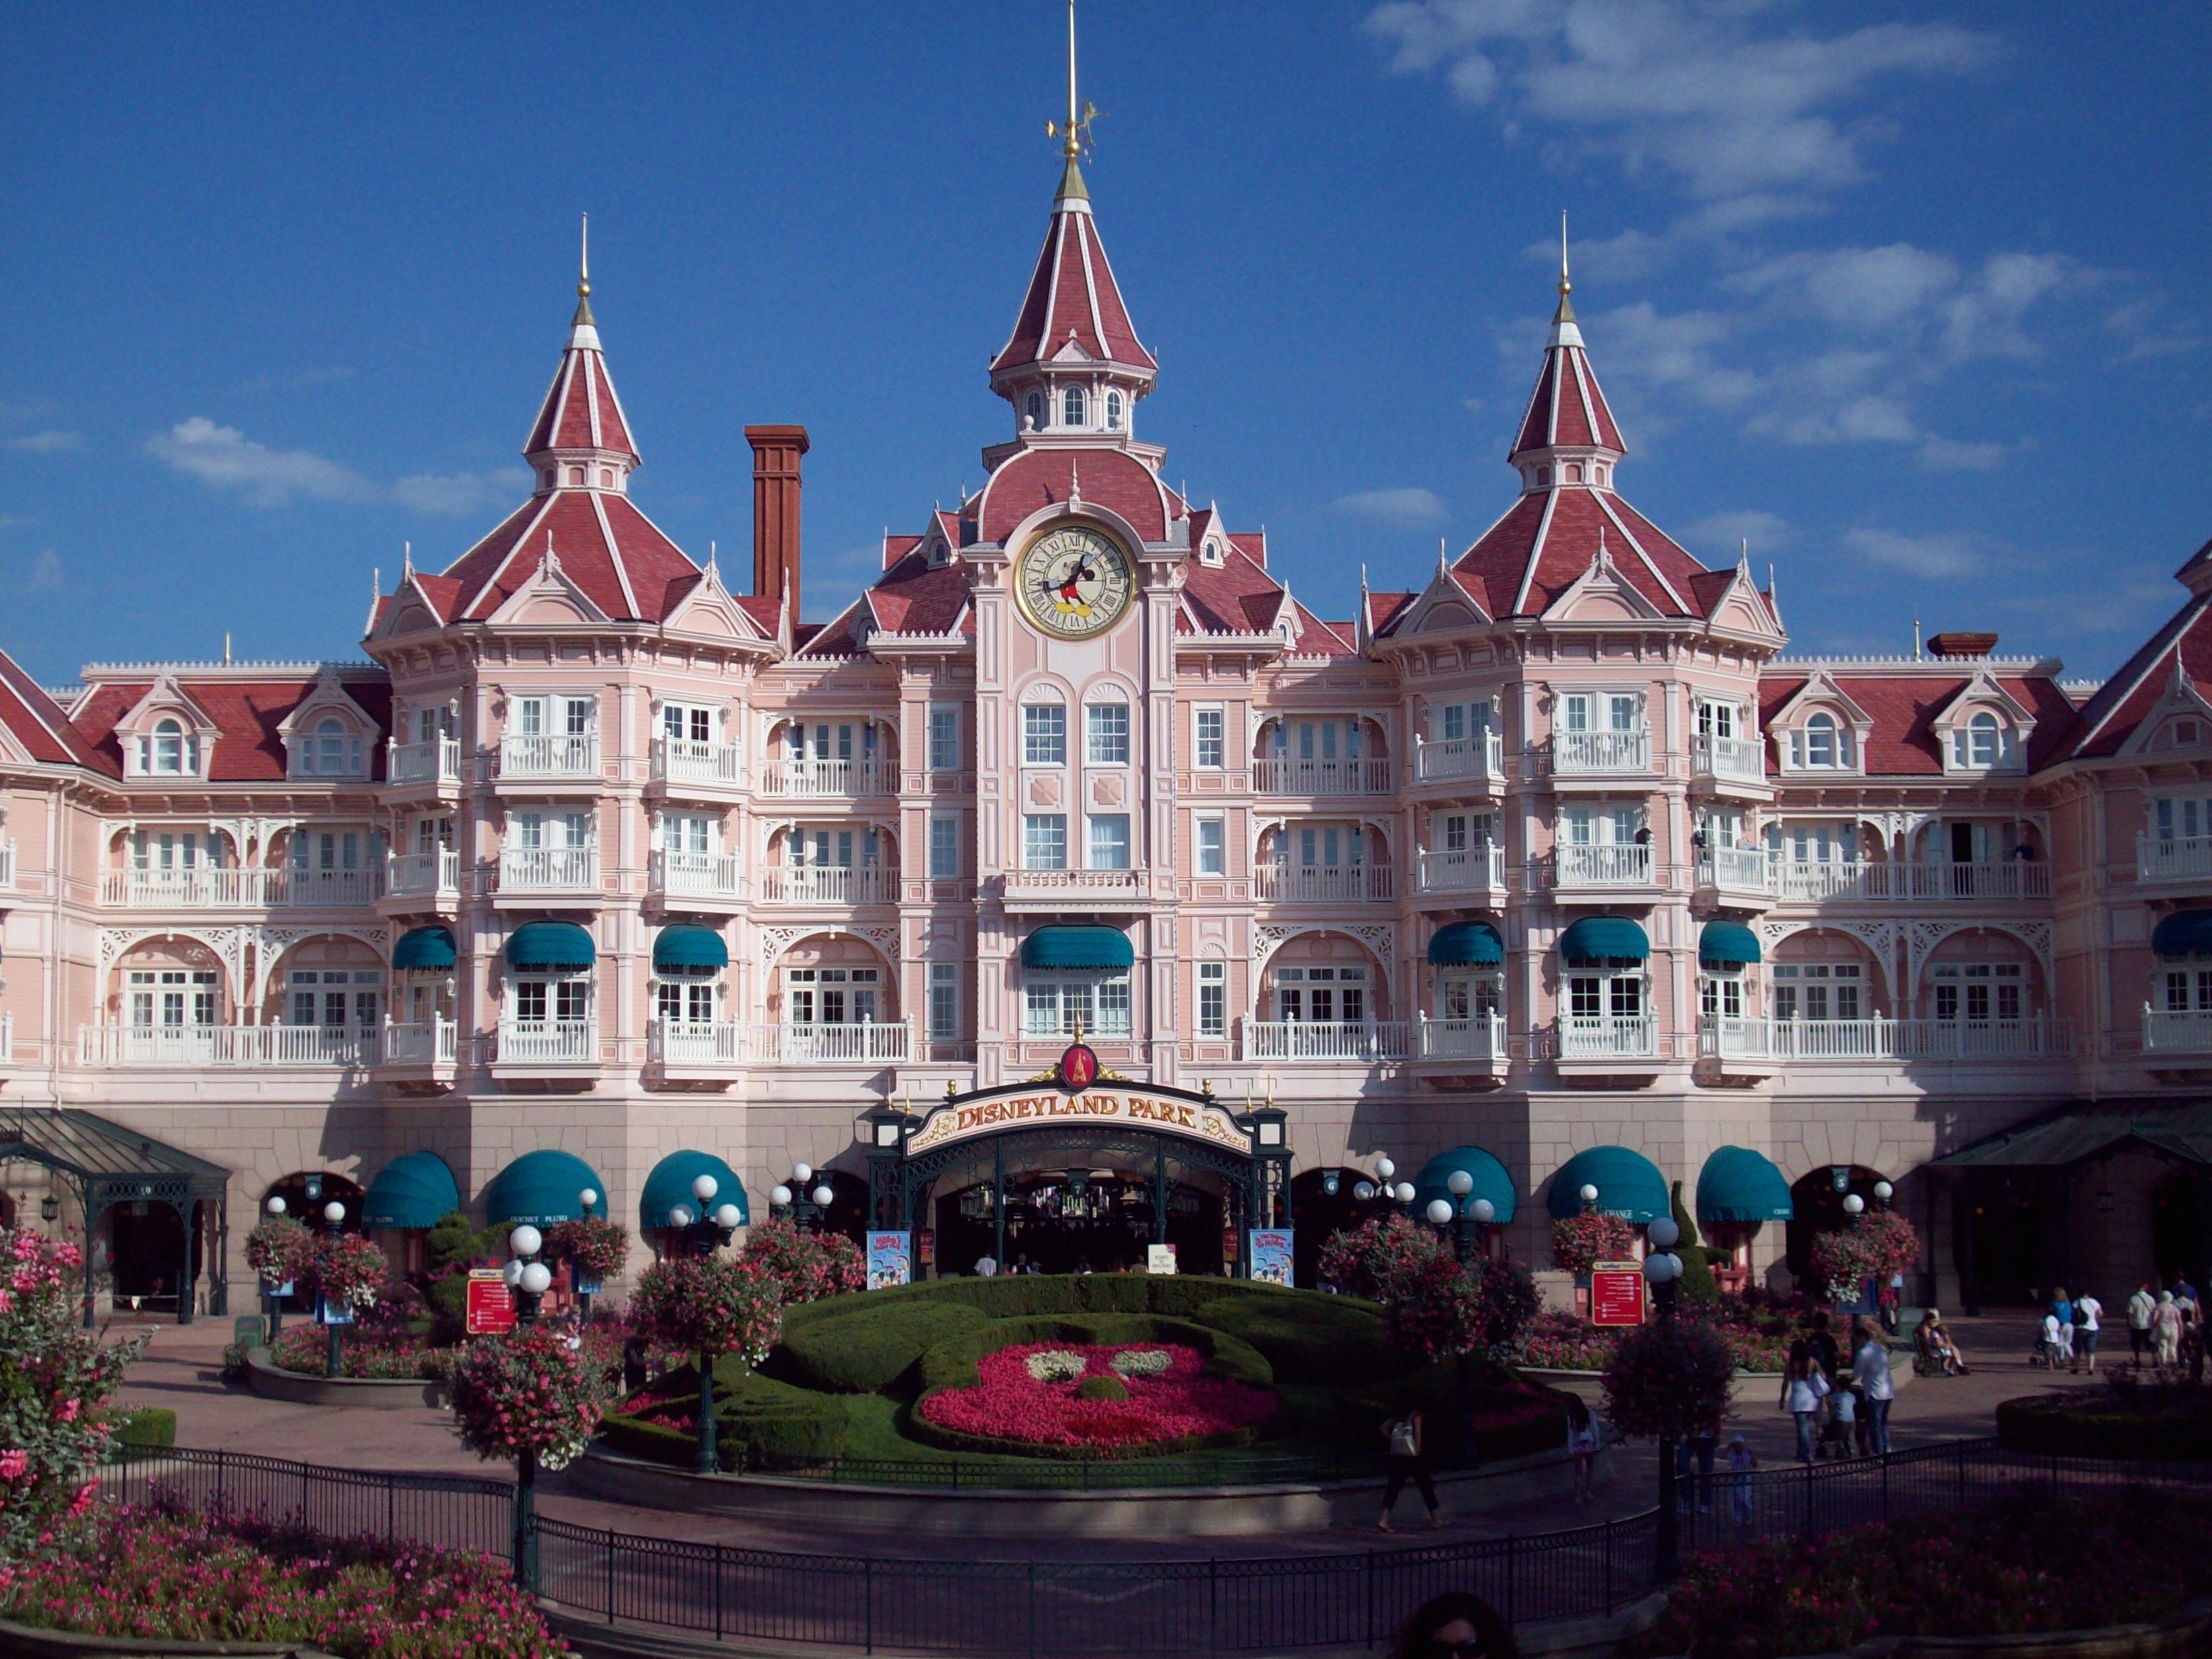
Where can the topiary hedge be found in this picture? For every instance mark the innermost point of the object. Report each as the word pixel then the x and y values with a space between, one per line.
pixel 2170 1421
pixel 759 1420
pixel 147 1425
pixel 870 1347
pixel 1322 1341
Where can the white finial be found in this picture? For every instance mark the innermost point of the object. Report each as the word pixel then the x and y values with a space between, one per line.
pixel 1916 639
pixel 1604 559
pixel 552 563
pixel 1443 567
pixel 406 561
pixel 1743 555
pixel 584 258
pixel 1075 464
pixel 226 648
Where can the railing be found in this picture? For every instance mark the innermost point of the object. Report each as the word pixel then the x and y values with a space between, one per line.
pixel 1828 881
pixel 1438 761
pixel 1743 759
pixel 1747 869
pixel 7 867
pixel 426 1042
pixel 827 883
pixel 698 875
pixel 423 875
pixel 555 755
pixel 2177 1031
pixel 549 870
pixel 224 1046
pixel 862 1044
pixel 324 889
pixel 696 1043
pixel 1281 775
pixel 2181 857
pixel 1480 1036
pixel 1087 883
pixel 1608 1036
pixel 209 887
pixel 438 761
pixel 2038 1036
pixel 548 1041
pixel 1576 752
pixel 7 1038
pixel 833 779
pixel 1462 870
pixel 682 760
pixel 1297 883
pixel 1367 1041
pixel 1602 864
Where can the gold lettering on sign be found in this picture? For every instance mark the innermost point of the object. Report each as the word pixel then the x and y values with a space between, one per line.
pixel 959 1121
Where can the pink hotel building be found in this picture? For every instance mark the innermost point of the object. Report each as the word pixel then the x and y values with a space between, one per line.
pixel 1555 868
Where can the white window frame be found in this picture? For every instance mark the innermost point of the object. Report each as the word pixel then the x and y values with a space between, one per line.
pixel 1103 851
pixel 1044 733
pixel 1106 733
pixel 1054 1000
pixel 944 845
pixel 1212 999
pixel 1209 844
pixel 1044 841
pixel 1209 737
pixel 944 737
pixel 944 1002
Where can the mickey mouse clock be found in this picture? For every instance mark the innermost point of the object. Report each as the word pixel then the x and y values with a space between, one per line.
pixel 1073 583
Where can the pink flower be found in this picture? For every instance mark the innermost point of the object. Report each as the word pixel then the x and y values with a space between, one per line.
pixel 15 1464
pixel 66 1412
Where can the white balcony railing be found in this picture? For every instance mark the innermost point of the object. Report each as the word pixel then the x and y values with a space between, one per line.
pixel 549 870
pixel 7 867
pixel 547 1042
pixel 1308 883
pixel 681 760
pixel 1352 1042
pixel 2031 1038
pixel 864 1043
pixel 1608 1036
pixel 1742 759
pixel 1743 869
pixel 206 887
pixel 827 883
pixel 1076 884
pixel 1575 752
pixel 324 889
pixel 424 1042
pixel 423 875
pixel 1603 864
pixel 2183 857
pixel 1479 1036
pixel 698 875
pixel 438 761
pixel 1482 755
pixel 1874 881
pixel 1283 774
pixel 7 1038
pixel 2177 1031
pixel 202 1047
pixel 829 778
pixel 549 756
pixel 696 1043
pixel 1466 870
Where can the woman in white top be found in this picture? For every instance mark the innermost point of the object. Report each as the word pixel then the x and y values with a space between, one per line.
pixel 2089 1318
pixel 1582 1440
pixel 1803 1387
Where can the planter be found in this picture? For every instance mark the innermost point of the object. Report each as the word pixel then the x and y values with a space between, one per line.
pixel 378 1394
pixel 24 1642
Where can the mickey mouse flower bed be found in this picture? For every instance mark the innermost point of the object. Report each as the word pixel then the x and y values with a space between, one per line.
pixel 1099 1398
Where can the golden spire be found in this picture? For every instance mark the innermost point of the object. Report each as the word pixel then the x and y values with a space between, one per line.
pixel 1566 314
pixel 584 275
pixel 1074 133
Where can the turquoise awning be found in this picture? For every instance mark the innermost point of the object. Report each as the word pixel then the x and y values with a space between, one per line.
pixel 1466 944
pixel 551 947
pixel 670 1184
pixel 415 1189
pixel 1738 1184
pixel 688 948
pixel 1727 945
pixel 542 1188
pixel 1491 1181
pixel 1628 1184
pixel 425 950
pixel 1078 947
pixel 1604 938
pixel 2183 934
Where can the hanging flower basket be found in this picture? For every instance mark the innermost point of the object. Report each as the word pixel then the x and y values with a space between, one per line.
pixel 594 1248
pixel 528 1392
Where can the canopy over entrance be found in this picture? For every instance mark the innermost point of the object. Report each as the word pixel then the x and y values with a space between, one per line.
pixel 669 1186
pixel 1628 1184
pixel 1738 1185
pixel 542 1188
pixel 415 1189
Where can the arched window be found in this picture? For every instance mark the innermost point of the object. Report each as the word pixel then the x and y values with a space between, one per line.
pixel 1982 743
pixel 169 747
pixel 1822 743
pixel 1543 478
pixel 1071 406
pixel 1036 408
pixel 576 475
pixel 1113 411
pixel 606 477
pixel 1574 472
pixel 335 752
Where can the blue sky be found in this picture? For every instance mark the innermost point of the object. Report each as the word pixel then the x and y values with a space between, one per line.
pixel 1913 297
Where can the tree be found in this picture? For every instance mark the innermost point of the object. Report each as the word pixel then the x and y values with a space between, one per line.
pixel 533 1395
pixel 709 1305
pixel 1699 1284
pixel 1368 1260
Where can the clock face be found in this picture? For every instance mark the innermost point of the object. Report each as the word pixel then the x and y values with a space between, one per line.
pixel 1073 582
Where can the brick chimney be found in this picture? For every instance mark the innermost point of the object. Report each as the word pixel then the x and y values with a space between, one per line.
pixel 1956 644
pixel 776 450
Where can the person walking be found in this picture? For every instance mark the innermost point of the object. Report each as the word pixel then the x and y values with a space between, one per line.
pixel 2165 1332
pixel 1803 1386
pixel 2088 1321
pixel 2141 1306
pixel 1583 1440
pixel 1741 1461
pixel 1408 1462
pixel 2062 1309
pixel 1870 1370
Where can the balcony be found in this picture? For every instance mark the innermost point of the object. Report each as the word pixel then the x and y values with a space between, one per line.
pixel 2181 857
pixel 1466 870
pixel 1582 754
pixel 571 870
pixel 1280 775
pixel 1297 884
pixel 1602 864
pixel 1478 1037
pixel 437 761
pixel 1875 882
pixel 325 890
pixel 524 1043
pixel 7 1038
pixel 206 887
pixel 1076 889
pixel 828 780
pixel 565 755
pixel 1481 757
pixel 1608 1036
pixel 2040 1037
pixel 1729 760
pixel 7 867
pixel 1742 870
pixel 2177 1031
pixel 718 877
pixel 1350 1042
pixel 426 1043
pixel 827 883
pixel 866 1044
pixel 433 875
pixel 198 1048
pixel 715 766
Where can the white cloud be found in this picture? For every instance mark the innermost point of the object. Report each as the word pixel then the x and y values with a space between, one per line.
pixel 1943 555
pixel 46 572
pixel 1948 455
pixel 1866 289
pixel 1727 532
pixel 1411 508
pixel 44 443
pixel 458 495
pixel 223 458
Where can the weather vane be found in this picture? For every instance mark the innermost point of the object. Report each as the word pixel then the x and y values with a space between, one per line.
pixel 1074 133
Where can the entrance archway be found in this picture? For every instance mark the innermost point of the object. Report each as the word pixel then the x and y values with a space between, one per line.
pixel 1819 1198
pixel 1069 1205
pixel 1323 1214
pixel 2181 1227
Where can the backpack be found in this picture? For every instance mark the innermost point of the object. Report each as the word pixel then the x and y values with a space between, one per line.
pixel 2080 1316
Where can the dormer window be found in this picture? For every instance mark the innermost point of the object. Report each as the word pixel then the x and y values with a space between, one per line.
pixel 1071 406
pixel 1035 410
pixel 1113 411
pixel 1821 745
pixel 1983 742
pixel 1210 553
pixel 169 753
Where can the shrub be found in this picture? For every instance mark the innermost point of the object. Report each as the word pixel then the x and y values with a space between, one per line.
pixel 456 1241
pixel 758 1420
pixel 805 1265
pixel 871 1347
pixel 1101 1387
pixel 1370 1259
pixel 1435 1308
pixel 1579 1241
pixel 146 1426
pixel 1698 1285
pixel 1669 1378
pixel 1328 1341
pixel 1559 1341
pixel 1510 1302
pixel 385 1356
pixel 527 1393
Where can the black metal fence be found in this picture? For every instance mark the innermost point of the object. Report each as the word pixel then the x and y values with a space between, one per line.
pixel 1219 1605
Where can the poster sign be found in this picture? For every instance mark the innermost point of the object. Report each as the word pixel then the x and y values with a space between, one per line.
pixel 890 1260
pixel 491 1304
pixel 1616 1293
pixel 926 1251
pixel 288 1288
pixel 1271 1254
pixel 589 1284
pixel 332 1313
pixel 1159 1258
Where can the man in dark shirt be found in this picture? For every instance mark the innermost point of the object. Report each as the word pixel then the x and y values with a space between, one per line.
pixel 1822 1343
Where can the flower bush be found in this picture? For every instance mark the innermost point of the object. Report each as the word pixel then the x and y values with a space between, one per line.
pixel 1435 1308
pixel 384 1355
pixel 805 1266
pixel 1880 1244
pixel 148 1575
pixel 347 1269
pixel 1565 1342
pixel 1368 1261
pixel 530 1393
pixel 1509 1303
pixel 1579 1241
pixel 709 1304
pixel 592 1247
pixel 1671 1377
pixel 1755 1340
pixel 1055 1365
pixel 1141 1362
pixel 1179 1402
pixel 280 1250
pixel 55 1382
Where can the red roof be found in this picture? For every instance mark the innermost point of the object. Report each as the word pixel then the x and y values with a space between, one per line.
pixel 246 714
pixel 1236 596
pixel 2110 718
pixel 37 722
pixel 1073 292
pixel 913 598
pixel 580 411
pixel 1567 407
pixel 610 550
pixel 1904 707
pixel 1035 477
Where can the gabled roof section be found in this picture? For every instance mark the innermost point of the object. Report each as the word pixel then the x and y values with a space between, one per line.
pixel 1900 710
pixel 616 555
pixel 580 411
pixel 1073 295
pixel 40 728
pixel 1236 596
pixel 1548 537
pixel 247 714
pixel 915 598
pixel 1036 476
pixel 2110 717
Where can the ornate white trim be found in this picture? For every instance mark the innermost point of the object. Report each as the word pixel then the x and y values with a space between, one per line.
pixel 1269 937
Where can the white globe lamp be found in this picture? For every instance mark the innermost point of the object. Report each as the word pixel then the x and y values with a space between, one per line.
pixel 334 1212
pixel 526 1240
pixel 276 1205
pixel 1483 1211
pixel 589 1200
pixel 823 1195
pixel 705 1187
pixel 1364 1190
pixel 1440 1210
pixel 537 1278
pixel 802 1173
pixel 1385 1168
pixel 1662 1232
pixel 1459 1183
pixel 1404 1191
pixel 779 1194
pixel 678 1216
pixel 1589 1193
pixel 727 1217
pixel 1853 1204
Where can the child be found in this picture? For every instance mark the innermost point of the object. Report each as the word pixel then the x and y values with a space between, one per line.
pixel 1583 1440
pixel 1742 1462
pixel 2046 1343
pixel 1843 1418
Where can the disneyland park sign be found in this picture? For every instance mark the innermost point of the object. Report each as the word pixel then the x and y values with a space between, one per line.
pixel 1119 1106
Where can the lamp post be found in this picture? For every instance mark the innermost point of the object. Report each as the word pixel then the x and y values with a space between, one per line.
pixel 527 1279
pixel 1400 1193
pixel 270 1299
pixel 1456 1213
pixel 704 1232
pixel 1588 1196
pixel 795 1201
pixel 586 1201
pixel 333 1215
pixel 1662 1272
